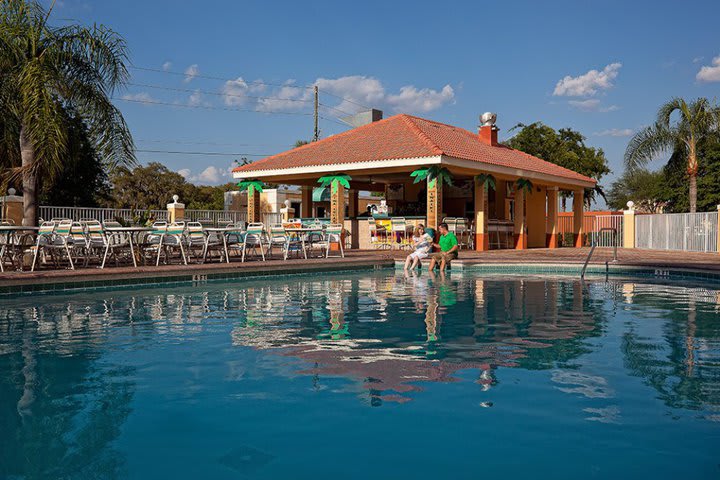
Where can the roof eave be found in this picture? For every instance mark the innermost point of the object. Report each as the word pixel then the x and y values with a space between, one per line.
pixel 338 167
pixel 544 178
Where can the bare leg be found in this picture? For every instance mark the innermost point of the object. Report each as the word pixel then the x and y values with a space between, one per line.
pixel 407 262
pixel 442 264
pixel 432 264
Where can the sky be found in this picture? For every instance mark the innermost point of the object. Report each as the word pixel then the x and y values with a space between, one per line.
pixel 236 77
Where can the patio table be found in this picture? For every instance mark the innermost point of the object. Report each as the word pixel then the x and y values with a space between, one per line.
pixel 133 233
pixel 303 233
pixel 8 230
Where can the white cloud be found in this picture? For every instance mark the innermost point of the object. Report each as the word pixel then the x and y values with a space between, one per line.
pixel 354 89
pixel 410 99
pixel 698 59
pixel 212 175
pixel 588 84
pixel 710 73
pixel 167 66
pixel 591 105
pixel 191 72
pixel 138 97
pixel 234 91
pixel 288 97
pixel 615 132
pixel 346 95
pixel 196 99
pixel 360 89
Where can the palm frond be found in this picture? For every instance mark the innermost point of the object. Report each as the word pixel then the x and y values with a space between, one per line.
pixel 334 180
pixel 647 144
pixel 251 186
pixel 524 184
pixel 486 180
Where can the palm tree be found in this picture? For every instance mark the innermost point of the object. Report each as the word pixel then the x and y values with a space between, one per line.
pixel 334 181
pixel 46 71
pixel 698 120
pixel 432 175
pixel 251 186
pixel 486 180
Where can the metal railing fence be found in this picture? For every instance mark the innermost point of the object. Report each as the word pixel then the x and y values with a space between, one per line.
pixel 132 216
pixel 690 232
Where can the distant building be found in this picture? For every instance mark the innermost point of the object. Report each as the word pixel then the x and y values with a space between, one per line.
pixel 273 199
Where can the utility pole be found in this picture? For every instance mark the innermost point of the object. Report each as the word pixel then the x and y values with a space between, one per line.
pixel 316 134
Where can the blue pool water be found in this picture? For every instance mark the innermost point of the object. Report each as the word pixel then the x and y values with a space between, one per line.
pixel 372 375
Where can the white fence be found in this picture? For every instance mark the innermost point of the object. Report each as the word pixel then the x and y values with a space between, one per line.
pixel 691 232
pixel 132 216
pixel 101 214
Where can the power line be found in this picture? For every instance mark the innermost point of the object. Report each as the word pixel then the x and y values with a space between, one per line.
pixel 206 107
pixel 209 77
pixel 219 154
pixel 220 94
pixel 183 142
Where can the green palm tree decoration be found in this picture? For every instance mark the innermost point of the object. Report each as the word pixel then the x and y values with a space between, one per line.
pixel 486 180
pixel 334 181
pixel 524 185
pixel 697 121
pixel 251 186
pixel 432 175
pixel 47 71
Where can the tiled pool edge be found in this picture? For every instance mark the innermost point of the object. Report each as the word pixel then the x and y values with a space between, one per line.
pixel 124 281
pixel 160 278
pixel 593 270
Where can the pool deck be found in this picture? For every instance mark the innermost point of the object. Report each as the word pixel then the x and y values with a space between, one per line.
pixel 358 259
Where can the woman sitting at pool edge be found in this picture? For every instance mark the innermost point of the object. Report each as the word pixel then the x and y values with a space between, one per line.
pixel 422 243
pixel 448 245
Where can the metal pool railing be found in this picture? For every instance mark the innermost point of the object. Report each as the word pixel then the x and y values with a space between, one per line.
pixel 690 232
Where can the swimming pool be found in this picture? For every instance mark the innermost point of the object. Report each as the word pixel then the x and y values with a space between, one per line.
pixel 361 375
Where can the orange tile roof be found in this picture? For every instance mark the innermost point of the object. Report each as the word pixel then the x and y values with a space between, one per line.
pixel 406 136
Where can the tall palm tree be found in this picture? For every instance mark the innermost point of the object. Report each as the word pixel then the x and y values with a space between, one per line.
pixel 697 121
pixel 46 70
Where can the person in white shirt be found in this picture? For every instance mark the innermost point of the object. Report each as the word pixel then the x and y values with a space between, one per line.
pixel 422 244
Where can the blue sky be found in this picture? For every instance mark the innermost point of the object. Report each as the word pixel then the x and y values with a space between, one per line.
pixel 602 68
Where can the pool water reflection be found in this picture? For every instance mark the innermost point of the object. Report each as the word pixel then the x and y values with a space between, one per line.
pixel 354 374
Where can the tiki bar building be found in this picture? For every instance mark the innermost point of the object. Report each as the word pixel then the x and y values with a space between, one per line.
pixel 520 198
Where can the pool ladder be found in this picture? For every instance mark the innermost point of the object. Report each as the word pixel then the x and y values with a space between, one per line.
pixel 592 250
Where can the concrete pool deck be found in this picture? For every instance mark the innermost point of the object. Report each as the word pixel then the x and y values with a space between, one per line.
pixel 706 265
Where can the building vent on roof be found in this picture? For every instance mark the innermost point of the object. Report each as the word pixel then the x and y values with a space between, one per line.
pixel 488 131
pixel 363 118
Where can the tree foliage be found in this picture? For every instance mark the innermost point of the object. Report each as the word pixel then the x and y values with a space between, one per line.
pixel 152 187
pixel 694 123
pixel 565 147
pixel 669 187
pixel 46 71
pixel 640 186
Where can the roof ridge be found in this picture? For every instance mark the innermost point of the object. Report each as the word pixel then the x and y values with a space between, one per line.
pixel 409 121
pixel 323 140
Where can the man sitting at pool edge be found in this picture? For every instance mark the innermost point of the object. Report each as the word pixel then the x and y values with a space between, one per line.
pixel 448 246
